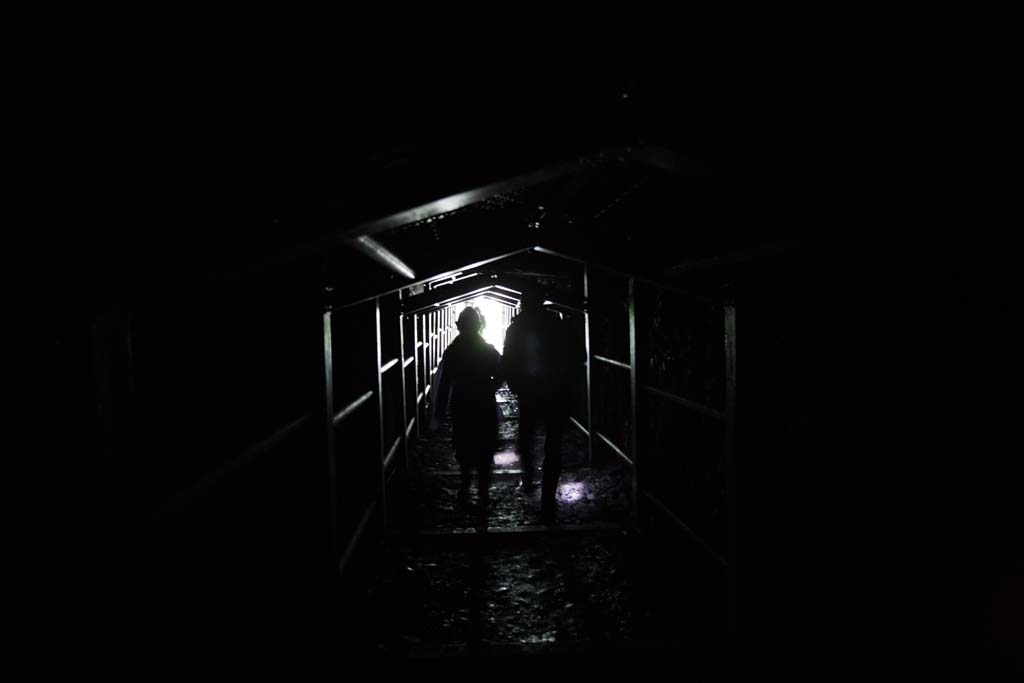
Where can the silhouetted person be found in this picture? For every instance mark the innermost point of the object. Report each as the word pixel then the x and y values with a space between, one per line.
pixel 537 360
pixel 470 372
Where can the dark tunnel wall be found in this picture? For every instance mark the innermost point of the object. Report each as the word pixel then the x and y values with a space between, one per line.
pixel 681 351
pixel 216 488
pixel 211 377
pixel 680 348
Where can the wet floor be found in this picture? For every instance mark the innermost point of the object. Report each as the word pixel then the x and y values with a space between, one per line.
pixel 579 592
pixel 586 495
pixel 448 582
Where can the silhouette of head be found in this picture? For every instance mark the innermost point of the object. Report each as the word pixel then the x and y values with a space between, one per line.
pixel 469 320
pixel 532 301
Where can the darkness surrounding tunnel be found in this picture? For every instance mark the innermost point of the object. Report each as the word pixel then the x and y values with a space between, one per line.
pixel 246 335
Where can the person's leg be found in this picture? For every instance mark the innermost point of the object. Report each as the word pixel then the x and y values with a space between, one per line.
pixel 555 425
pixel 463 455
pixel 528 419
pixel 485 461
pixel 466 472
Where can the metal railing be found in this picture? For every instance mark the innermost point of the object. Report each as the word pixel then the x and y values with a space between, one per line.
pixel 579 426
pixel 352 407
pixel 616 363
pixel 685 402
pixel 618 451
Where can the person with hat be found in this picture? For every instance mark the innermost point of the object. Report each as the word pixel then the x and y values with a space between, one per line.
pixel 470 373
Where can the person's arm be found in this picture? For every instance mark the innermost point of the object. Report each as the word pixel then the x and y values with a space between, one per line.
pixel 497 376
pixel 511 359
pixel 439 396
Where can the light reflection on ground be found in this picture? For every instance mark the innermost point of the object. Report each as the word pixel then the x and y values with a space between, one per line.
pixel 572 491
pixel 505 458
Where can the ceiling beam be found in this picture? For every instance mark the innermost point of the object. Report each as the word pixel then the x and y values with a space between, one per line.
pixel 460 199
pixel 382 255
pixel 424 302
pixel 435 276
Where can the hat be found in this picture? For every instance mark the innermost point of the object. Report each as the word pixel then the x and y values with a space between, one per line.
pixel 469 320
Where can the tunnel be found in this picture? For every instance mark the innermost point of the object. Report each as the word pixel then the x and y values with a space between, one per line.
pixel 249 384
pixel 306 480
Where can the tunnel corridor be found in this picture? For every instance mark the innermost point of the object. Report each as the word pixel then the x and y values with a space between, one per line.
pixel 446 581
pixel 273 473
pixel 451 581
